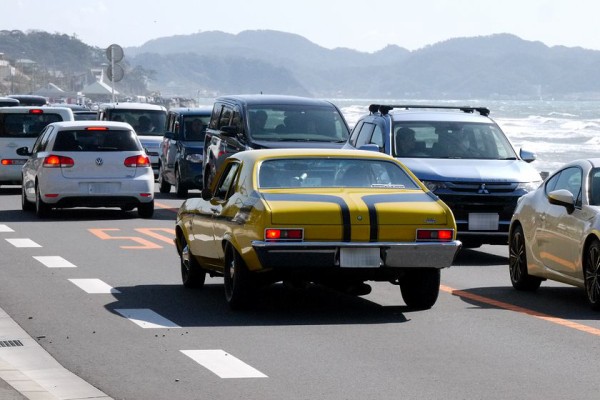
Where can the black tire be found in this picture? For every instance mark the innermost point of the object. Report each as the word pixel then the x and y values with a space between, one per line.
pixel 26 205
pixel 517 263
pixel 591 271
pixel 420 288
pixel 237 280
pixel 192 274
pixel 146 210
pixel 163 185
pixel 42 209
pixel 180 190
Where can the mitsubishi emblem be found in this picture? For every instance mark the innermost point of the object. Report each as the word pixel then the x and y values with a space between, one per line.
pixel 482 189
pixel 99 161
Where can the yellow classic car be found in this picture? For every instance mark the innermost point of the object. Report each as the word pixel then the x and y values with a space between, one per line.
pixel 331 217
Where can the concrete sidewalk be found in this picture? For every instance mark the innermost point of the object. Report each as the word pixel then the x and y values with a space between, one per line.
pixel 27 371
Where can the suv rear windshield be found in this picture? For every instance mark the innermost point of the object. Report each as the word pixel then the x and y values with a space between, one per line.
pixel 450 140
pixel 96 140
pixel 145 122
pixel 296 123
pixel 23 125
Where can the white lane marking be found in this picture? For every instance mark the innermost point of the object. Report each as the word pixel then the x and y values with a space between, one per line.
pixel 146 318
pixel 23 243
pixel 93 286
pixel 54 262
pixel 223 364
pixel 5 228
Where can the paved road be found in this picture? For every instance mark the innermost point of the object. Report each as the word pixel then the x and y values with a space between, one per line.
pixel 99 292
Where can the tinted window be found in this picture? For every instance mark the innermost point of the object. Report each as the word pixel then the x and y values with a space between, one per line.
pixel 25 125
pixel 195 127
pixel 96 140
pixel 334 172
pixel 145 122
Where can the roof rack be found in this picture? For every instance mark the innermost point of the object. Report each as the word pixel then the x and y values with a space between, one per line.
pixel 385 108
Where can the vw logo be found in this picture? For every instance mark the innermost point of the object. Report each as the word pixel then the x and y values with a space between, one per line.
pixel 482 189
pixel 99 161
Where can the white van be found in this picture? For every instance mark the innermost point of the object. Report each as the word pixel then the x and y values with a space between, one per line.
pixel 20 127
pixel 148 120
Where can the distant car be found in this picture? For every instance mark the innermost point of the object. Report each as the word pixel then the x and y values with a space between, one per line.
pixel 147 119
pixel 87 164
pixel 21 126
pixel 461 155
pixel 332 217
pixel 246 122
pixel 9 102
pixel 82 115
pixel 30 99
pixel 180 161
pixel 555 231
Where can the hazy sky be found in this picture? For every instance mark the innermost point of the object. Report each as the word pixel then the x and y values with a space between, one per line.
pixel 362 25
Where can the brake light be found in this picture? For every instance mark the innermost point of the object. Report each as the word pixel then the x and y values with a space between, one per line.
pixel 283 234
pixel 137 161
pixel 96 128
pixel 36 111
pixel 53 161
pixel 435 235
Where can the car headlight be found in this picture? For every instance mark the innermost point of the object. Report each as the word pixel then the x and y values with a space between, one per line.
pixel 529 186
pixel 194 158
pixel 434 185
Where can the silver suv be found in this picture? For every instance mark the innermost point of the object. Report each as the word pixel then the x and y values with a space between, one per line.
pixel 461 155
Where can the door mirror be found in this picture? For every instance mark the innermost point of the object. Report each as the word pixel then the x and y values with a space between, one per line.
pixel 206 194
pixel 23 151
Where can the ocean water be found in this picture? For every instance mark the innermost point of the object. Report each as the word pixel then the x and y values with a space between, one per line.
pixel 557 131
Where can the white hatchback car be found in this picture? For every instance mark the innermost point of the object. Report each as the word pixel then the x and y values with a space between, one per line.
pixel 87 164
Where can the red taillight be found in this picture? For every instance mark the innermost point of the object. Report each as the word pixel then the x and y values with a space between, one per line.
pixel 284 234
pixel 438 235
pixel 96 128
pixel 137 161
pixel 53 161
pixel 36 111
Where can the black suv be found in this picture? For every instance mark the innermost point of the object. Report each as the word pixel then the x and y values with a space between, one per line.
pixel 180 157
pixel 245 122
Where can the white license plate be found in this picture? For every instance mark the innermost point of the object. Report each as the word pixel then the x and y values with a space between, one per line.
pixel 100 187
pixel 483 221
pixel 359 257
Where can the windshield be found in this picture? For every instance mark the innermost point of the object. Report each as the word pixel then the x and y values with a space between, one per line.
pixel 450 140
pixel 25 125
pixel 297 123
pixel 333 172
pixel 144 122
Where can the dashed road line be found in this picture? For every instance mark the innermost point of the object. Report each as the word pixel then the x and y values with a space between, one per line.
pixel 54 262
pixel 222 364
pixel 94 286
pixel 22 242
pixel 146 318
pixel 5 228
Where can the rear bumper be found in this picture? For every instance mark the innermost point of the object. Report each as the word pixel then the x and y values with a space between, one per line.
pixel 324 255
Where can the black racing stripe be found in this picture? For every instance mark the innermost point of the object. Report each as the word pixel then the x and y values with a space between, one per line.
pixel 374 199
pixel 344 209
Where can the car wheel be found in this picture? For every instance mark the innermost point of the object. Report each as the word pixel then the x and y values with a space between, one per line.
pixel 192 274
pixel 41 209
pixel 592 274
pixel 26 205
pixel 237 280
pixel 420 288
pixel 163 185
pixel 517 263
pixel 146 210
pixel 180 190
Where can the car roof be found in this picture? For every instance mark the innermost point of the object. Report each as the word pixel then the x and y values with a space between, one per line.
pixel 269 99
pixel 264 154
pixel 132 106
pixel 423 112
pixel 47 109
pixel 65 125
pixel 192 110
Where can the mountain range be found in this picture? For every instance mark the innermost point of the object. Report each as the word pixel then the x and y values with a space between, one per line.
pixel 495 66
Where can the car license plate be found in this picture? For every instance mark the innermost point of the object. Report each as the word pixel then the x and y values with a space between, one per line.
pixel 359 257
pixel 483 221
pixel 100 187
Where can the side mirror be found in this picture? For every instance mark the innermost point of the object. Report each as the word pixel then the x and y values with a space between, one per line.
pixel 527 156
pixel 206 194
pixel 23 151
pixel 562 197
pixel 369 147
